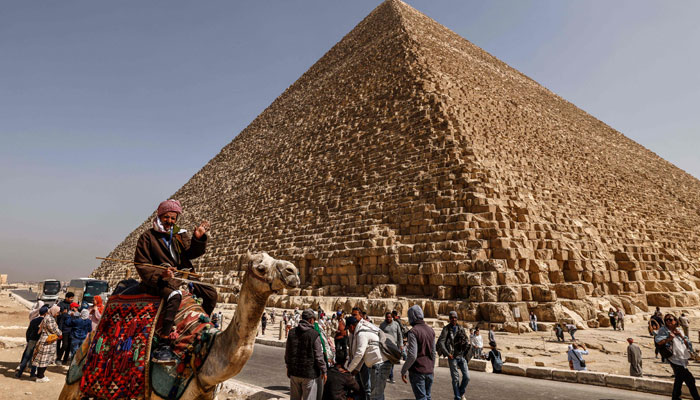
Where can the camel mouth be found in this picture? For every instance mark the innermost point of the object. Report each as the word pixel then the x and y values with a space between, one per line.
pixel 288 275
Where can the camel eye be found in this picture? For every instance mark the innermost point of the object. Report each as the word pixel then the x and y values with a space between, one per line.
pixel 260 268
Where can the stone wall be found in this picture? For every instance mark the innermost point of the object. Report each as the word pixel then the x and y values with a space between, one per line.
pixel 408 162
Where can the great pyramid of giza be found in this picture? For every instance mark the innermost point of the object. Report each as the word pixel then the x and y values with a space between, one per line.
pixel 410 165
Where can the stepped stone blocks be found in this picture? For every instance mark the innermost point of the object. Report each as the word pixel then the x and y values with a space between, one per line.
pixel 409 164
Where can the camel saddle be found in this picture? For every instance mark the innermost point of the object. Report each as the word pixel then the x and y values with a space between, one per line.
pixel 114 361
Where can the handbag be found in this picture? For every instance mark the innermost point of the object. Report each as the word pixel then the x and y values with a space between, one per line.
pixel 51 338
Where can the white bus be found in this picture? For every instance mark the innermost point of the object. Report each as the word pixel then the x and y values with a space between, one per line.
pixel 85 289
pixel 48 290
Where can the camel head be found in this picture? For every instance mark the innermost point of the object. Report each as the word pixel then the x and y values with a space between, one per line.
pixel 271 274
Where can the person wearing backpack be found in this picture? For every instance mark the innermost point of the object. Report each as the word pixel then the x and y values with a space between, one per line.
pixel 454 344
pixel 495 357
pixel 366 350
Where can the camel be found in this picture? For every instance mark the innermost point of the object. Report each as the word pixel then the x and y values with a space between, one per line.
pixel 233 347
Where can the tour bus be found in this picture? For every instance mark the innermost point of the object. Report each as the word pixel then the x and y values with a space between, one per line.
pixel 48 290
pixel 85 289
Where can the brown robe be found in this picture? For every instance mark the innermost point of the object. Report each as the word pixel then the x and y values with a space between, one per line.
pixel 151 249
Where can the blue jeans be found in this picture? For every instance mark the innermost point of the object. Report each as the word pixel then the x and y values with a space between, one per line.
pixel 365 382
pixel 421 385
pixel 380 372
pixel 533 325
pixel 27 358
pixel 459 364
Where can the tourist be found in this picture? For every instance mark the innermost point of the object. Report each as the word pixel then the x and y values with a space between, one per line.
pixel 492 334
pixel 340 384
pixel 620 319
pixel 166 244
pixel 393 332
pixel 340 339
pixel 365 350
pixel 272 317
pixel 45 352
pixel 634 356
pixel 64 307
pixel 80 326
pixel 575 356
pixel 303 356
pixel 215 320
pixel 32 336
pixel 495 357
pixel 328 356
pixel 404 329
pixel 675 348
pixel 287 327
pixel 572 330
pixel 454 344
pixel 612 315
pixel 477 343
pixel 685 324
pixel 34 312
pixel 263 322
pixel 63 352
pixel 96 311
pixel 420 355
pixel 559 332
pixel 533 321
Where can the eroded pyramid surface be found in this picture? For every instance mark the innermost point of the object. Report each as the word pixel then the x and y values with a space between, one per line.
pixel 409 162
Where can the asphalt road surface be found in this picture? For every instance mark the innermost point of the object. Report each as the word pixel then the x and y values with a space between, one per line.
pixel 25 294
pixel 266 368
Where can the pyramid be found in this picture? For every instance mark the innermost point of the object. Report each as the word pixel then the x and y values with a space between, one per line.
pixel 408 165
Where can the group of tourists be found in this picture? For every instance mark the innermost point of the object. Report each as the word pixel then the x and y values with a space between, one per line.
pixel 361 360
pixel 54 334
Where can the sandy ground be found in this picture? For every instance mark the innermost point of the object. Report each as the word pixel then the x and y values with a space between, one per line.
pixel 13 324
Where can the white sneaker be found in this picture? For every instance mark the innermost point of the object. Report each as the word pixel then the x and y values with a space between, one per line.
pixel 43 380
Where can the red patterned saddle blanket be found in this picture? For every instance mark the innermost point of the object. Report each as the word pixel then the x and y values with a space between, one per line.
pixel 116 363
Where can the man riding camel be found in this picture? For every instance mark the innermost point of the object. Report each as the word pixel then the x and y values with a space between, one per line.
pixel 167 245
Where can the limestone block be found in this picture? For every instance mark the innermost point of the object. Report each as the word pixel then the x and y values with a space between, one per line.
pixel 513 369
pixel 620 381
pixel 661 299
pixel 564 375
pixel 496 312
pixel 477 365
pixel 539 372
pixel 591 378
pixel 654 385
pixel 509 293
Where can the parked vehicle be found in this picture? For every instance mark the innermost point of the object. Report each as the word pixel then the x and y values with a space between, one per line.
pixel 48 290
pixel 85 289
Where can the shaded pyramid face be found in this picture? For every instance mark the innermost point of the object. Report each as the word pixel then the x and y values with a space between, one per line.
pixel 409 162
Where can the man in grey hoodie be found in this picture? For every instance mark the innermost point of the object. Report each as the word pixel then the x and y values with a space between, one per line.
pixel 420 357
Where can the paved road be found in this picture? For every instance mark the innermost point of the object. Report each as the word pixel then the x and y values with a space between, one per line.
pixel 266 368
pixel 25 294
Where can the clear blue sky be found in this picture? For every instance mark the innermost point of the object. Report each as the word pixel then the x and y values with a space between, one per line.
pixel 106 108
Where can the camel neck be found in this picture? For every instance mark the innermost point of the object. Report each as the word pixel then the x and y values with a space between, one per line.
pixel 234 346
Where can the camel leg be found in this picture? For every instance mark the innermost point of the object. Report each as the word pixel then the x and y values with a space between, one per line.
pixel 70 392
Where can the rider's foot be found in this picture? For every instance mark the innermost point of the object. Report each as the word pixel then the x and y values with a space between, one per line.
pixel 164 355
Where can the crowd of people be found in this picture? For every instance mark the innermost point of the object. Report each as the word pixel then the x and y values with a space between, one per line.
pixel 360 359
pixel 54 334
